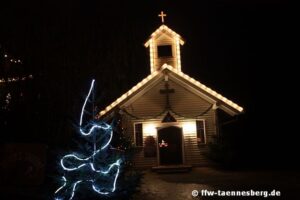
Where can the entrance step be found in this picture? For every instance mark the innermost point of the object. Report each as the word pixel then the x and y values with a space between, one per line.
pixel 171 168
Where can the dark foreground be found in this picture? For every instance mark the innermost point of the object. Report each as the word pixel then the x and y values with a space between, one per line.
pixel 179 186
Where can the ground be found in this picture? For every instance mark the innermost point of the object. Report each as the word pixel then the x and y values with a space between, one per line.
pixel 179 186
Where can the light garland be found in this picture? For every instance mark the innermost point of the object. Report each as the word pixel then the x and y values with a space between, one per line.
pixel 15 79
pixel 88 163
pixel 182 75
pixel 164 28
pixel 12 60
pixel 152 44
pixel 178 53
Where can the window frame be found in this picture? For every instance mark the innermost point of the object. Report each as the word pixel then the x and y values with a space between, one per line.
pixel 135 137
pixel 204 131
pixel 165 56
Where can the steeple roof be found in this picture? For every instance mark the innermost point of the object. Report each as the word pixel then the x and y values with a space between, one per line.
pixel 163 29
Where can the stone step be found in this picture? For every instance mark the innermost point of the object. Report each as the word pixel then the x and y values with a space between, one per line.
pixel 172 168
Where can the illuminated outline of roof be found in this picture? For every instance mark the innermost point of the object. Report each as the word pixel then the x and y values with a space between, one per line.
pixel 182 75
pixel 167 29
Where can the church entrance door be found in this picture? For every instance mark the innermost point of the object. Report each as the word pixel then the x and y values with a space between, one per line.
pixel 170 145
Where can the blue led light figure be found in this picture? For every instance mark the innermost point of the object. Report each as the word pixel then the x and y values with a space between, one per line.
pixel 79 170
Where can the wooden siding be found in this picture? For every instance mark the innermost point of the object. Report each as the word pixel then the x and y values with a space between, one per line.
pixel 194 153
pixel 185 103
pixel 159 61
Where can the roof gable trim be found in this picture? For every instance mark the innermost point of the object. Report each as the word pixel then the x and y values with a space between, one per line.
pixel 162 29
pixel 196 83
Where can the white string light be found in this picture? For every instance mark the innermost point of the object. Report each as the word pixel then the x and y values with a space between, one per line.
pixel 180 74
pixel 88 162
pixel 11 59
pixel 15 79
pixel 65 182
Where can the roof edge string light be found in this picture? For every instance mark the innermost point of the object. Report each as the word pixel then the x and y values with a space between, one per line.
pixel 182 75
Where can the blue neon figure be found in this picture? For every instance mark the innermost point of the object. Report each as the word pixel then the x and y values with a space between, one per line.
pixel 79 170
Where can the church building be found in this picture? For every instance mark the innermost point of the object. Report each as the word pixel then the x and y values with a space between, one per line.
pixel 170 116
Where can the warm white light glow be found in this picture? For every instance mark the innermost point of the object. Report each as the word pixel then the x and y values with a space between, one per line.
pixel 181 74
pixel 149 129
pixel 207 89
pixel 177 41
pixel 189 127
pixel 162 15
pixel 14 79
pixel 167 29
pixel 151 48
pixel 132 90
pixel 178 54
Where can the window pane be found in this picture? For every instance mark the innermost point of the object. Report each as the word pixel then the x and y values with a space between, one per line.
pixel 164 51
pixel 200 132
pixel 138 134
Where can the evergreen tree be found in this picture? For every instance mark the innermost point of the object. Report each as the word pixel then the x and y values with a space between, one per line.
pixel 102 164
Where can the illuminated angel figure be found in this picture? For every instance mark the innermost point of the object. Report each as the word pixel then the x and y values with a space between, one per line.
pixel 163 144
pixel 86 170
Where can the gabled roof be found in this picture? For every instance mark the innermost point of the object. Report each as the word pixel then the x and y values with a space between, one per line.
pixel 164 29
pixel 224 103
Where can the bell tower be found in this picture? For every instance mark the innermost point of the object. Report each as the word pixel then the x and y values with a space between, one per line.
pixel 164 46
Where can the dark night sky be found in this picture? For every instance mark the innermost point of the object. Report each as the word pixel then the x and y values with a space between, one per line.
pixel 237 48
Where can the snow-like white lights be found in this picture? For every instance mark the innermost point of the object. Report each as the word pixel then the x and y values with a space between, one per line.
pixel 149 129
pixel 189 127
pixel 78 166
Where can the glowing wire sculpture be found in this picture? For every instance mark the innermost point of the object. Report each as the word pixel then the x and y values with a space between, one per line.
pixel 78 170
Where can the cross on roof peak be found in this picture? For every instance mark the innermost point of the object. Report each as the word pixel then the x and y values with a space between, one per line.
pixel 167 91
pixel 162 15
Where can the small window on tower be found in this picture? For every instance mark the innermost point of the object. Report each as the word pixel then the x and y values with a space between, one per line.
pixel 164 51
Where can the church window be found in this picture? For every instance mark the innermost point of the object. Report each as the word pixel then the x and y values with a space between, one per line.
pixel 201 137
pixel 138 134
